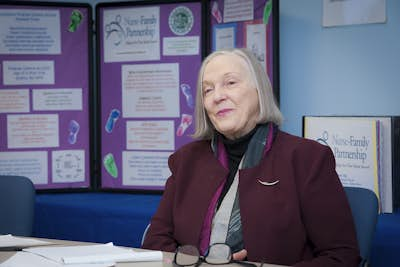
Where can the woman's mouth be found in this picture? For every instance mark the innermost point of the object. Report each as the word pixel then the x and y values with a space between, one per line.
pixel 224 112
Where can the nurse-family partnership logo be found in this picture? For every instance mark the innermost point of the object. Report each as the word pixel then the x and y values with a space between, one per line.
pixel 131 30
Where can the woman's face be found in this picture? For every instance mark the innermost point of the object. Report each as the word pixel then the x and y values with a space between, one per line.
pixel 230 97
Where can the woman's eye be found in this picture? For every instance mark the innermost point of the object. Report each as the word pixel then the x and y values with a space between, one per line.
pixel 230 83
pixel 207 90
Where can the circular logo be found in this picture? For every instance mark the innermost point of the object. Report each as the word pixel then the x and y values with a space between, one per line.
pixel 69 166
pixel 180 20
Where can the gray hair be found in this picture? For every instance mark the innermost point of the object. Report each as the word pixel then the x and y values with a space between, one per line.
pixel 269 111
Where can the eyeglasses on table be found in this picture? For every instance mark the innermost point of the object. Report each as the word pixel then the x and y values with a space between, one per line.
pixel 218 253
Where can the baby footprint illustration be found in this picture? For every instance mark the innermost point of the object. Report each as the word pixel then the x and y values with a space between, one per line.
pixel 110 165
pixel 75 20
pixel 187 92
pixel 112 119
pixel 73 131
pixel 186 121
pixel 215 12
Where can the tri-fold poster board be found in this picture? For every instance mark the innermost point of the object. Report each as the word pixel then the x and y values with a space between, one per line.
pixel 63 134
pixel 367 152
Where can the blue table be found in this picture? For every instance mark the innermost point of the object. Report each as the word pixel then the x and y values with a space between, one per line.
pixel 121 218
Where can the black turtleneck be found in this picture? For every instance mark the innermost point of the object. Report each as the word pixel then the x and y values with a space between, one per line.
pixel 235 150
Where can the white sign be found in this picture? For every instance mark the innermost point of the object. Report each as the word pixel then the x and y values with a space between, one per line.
pixel 57 99
pixel 184 46
pixel 131 34
pixel 150 135
pixel 32 131
pixel 256 41
pixel 68 166
pixel 145 168
pixel 28 31
pixel 28 72
pixel 238 10
pixel 338 13
pixel 224 36
pixel 15 100
pixel 355 145
pixel 385 156
pixel 150 90
pixel 31 164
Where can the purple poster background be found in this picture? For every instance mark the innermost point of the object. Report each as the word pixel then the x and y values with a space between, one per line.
pixel 272 34
pixel 111 91
pixel 71 70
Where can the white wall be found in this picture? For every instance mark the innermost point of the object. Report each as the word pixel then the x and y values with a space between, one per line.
pixel 350 70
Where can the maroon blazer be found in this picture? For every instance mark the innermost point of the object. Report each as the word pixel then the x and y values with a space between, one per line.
pixel 303 220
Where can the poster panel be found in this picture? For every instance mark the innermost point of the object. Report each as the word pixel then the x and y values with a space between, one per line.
pixel 251 24
pixel 149 54
pixel 45 89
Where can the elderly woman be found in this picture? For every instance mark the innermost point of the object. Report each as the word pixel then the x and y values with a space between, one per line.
pixel 269 195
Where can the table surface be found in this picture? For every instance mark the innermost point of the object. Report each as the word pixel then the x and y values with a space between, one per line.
pixel 121 218
pixel 167 256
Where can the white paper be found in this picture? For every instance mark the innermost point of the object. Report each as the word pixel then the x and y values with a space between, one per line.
pixel 32 164
pixel 337 13
pixel 27 259
pixel 32 131
pixel 130 256
pixel 224 36
pixel 145 168
pixel 14 100
pixel 102 253
pixel 150 90
pixel 57 99
pixel 184 46
pixel 68 166
pixel 131 34
pixel 14 241
pixel 28 72
pixel 28 31
pixel 150 135
pixel 256 41
pixel 238 10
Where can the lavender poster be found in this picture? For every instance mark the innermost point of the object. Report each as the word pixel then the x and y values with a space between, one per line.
pixel 149 56
pixel 251 24
pixel 45 82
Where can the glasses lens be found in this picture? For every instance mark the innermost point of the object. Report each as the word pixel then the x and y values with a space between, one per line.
pixel 219 254
pixel 187 255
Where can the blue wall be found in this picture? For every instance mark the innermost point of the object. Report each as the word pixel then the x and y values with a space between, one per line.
pixel 349 70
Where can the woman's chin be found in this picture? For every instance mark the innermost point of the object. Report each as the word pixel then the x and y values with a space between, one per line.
pixel 228 132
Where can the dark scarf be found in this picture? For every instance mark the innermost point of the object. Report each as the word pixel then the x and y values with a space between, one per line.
pixel 259 144
pixel 235 150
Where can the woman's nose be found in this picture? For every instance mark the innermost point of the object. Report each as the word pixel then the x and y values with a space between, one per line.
pixel 219 94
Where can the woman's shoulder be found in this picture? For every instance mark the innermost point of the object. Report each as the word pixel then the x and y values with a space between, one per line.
pixel 196 146
pixel 292 143
pixel 301 152
pixel 194 155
